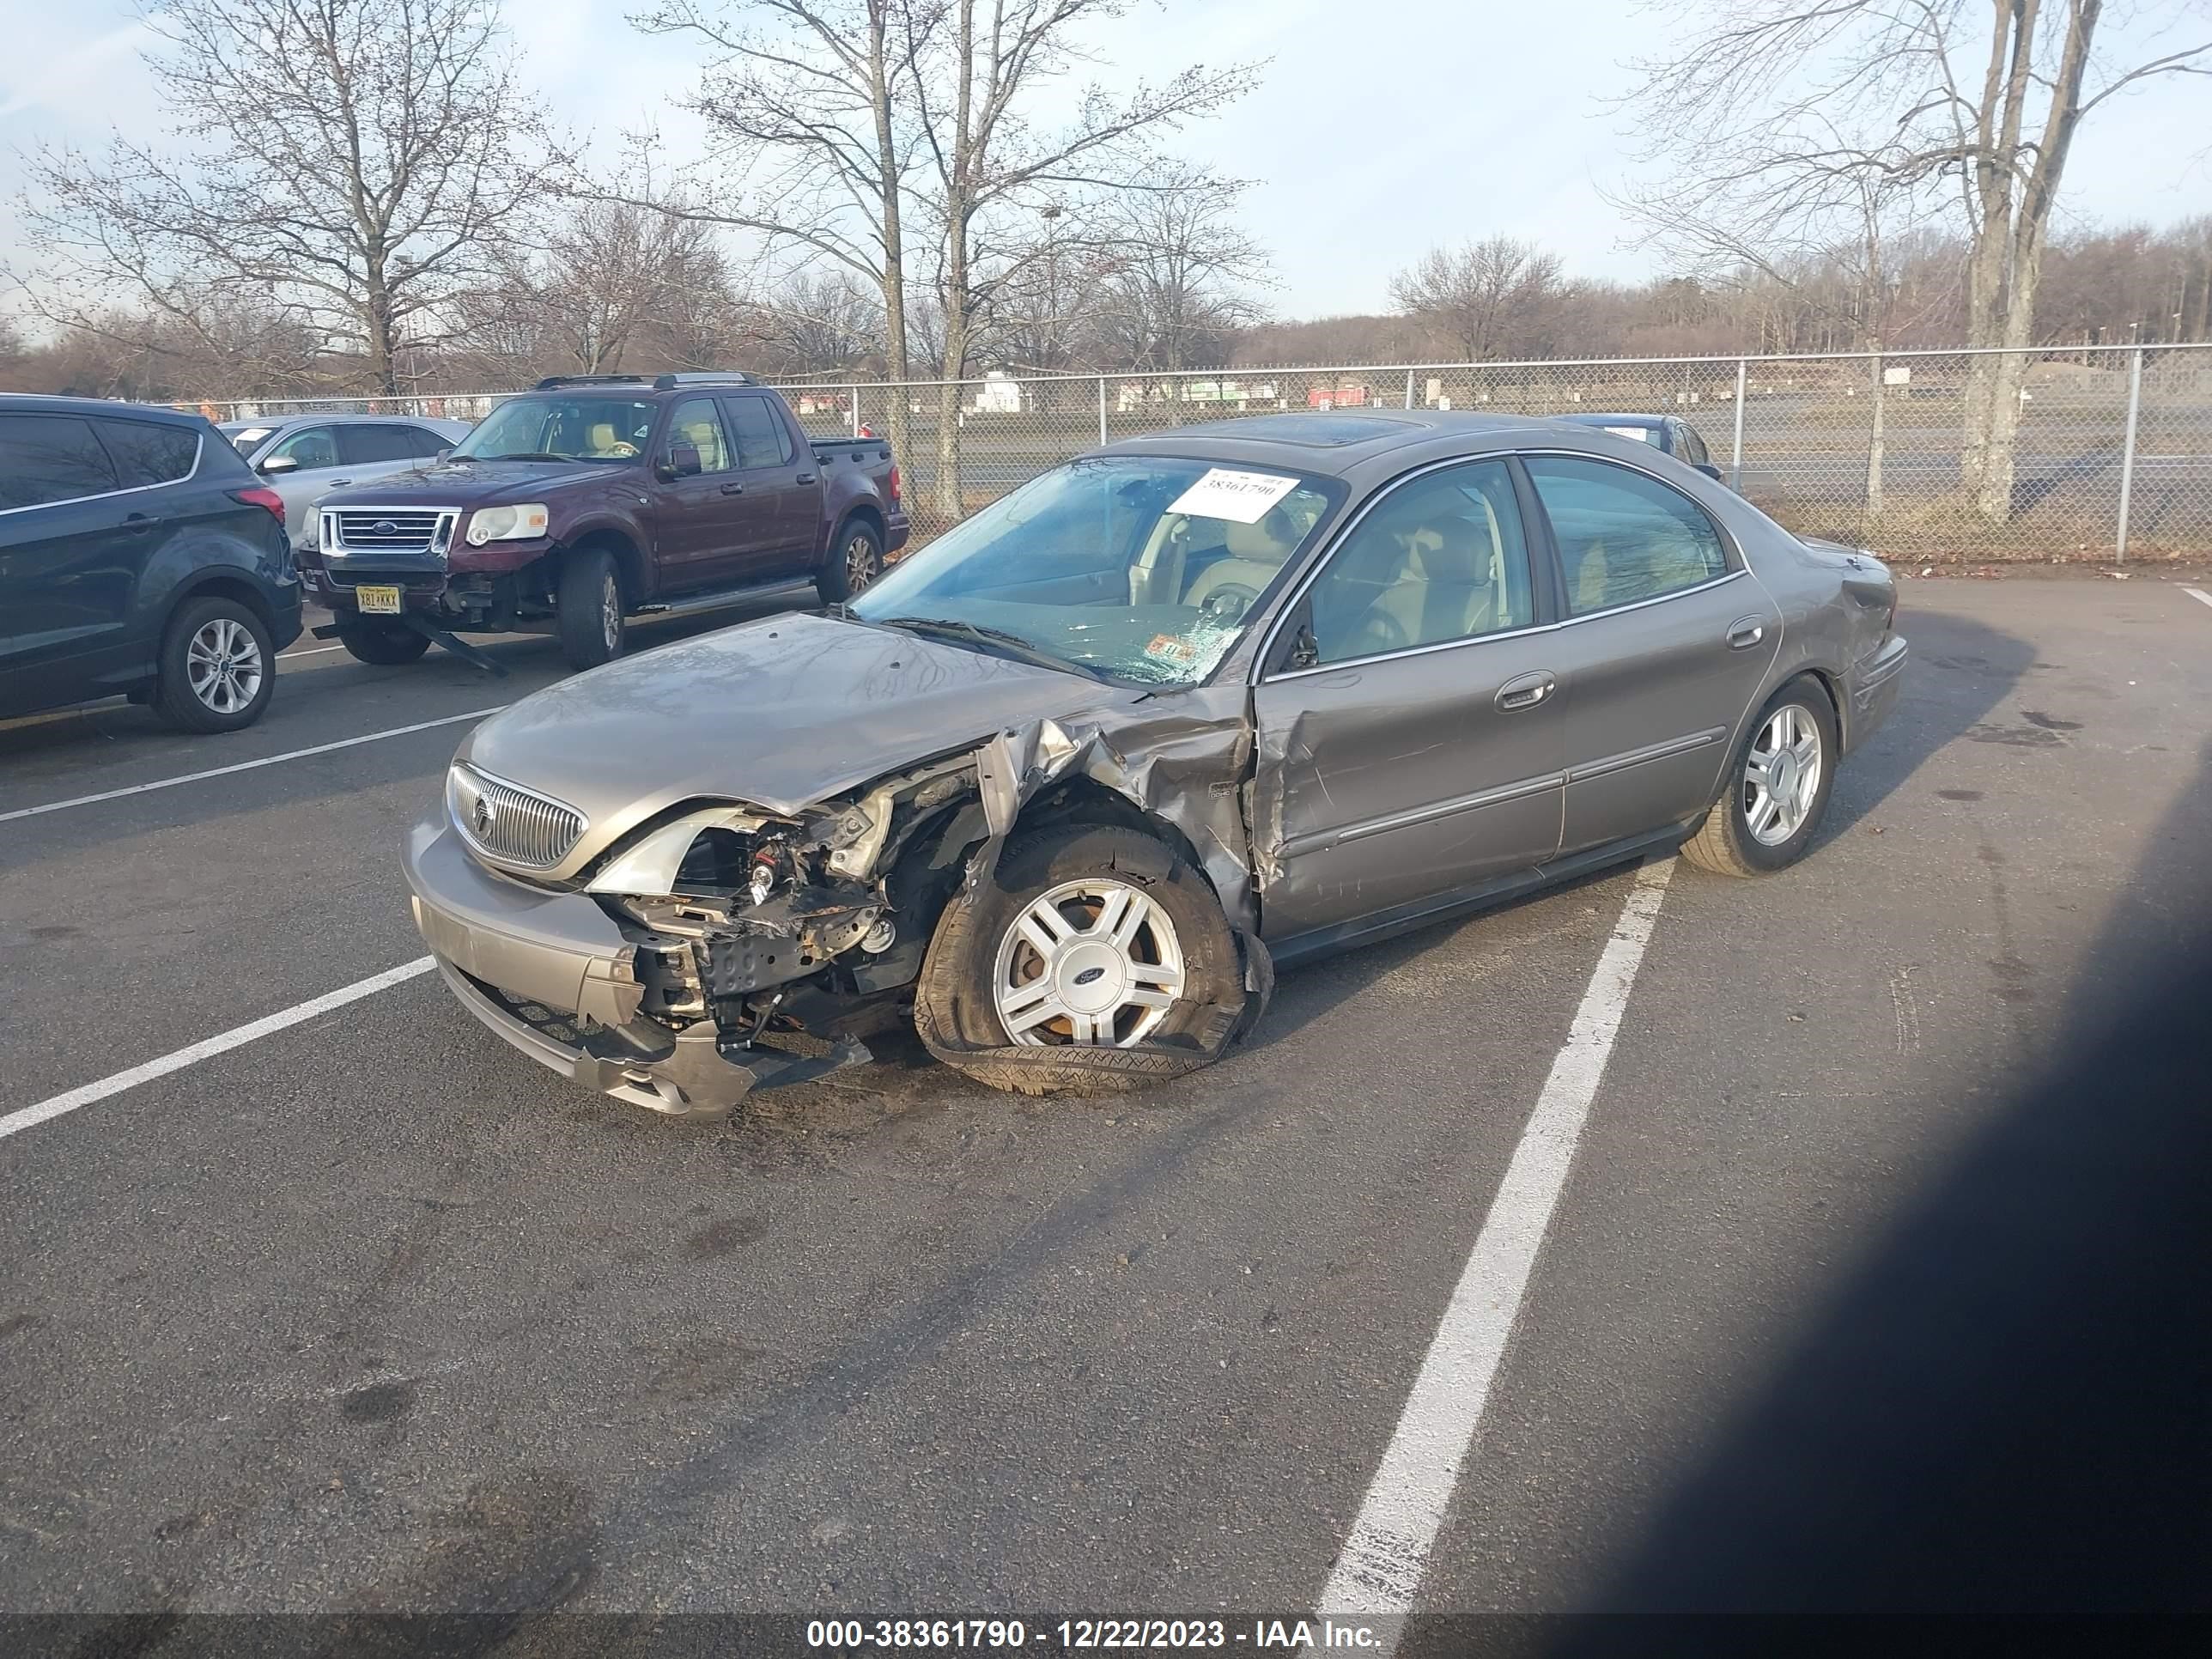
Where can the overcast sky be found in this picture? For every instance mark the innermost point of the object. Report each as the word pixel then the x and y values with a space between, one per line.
pixel 1379 127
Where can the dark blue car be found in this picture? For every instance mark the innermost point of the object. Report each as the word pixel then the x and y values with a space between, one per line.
pixel 139 555
pixel 1670 434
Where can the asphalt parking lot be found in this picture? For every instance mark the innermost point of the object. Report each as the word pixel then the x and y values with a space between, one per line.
pixel 368 1313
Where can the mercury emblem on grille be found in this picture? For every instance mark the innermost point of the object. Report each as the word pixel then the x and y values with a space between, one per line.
pixel 486 815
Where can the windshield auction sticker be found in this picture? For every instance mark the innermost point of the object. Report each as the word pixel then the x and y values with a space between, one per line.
pixel 1239 497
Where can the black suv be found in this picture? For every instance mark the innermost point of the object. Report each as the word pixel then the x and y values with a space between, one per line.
pixel 140 554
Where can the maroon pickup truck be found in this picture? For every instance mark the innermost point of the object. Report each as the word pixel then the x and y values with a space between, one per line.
pixel 597 498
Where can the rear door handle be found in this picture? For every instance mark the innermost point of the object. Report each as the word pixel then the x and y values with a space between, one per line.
pixel 733 489
pixel 805 478
pixel 1746 632
pixel 1527 692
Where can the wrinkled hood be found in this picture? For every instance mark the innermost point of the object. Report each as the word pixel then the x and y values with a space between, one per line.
pixel 779 714
pixel 472 484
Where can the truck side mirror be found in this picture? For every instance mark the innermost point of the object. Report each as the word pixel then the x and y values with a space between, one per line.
pixel 682 462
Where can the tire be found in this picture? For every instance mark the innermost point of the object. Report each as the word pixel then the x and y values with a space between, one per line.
pixel 217 669
pixel 1727 843
pixel 589 609
pixel 854 560
pixel 386 644
pixel 1183 940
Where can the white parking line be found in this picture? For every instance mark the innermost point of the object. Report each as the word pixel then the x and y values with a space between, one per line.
pixel 1384 1561
pixel 313 651
pixel 247 766
pixel 2199 594
pixel 30 1117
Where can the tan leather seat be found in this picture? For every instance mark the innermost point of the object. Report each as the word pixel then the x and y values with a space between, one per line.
pixel 1444 588
pixel 601 439
pixel 1256 552
pixel 707 438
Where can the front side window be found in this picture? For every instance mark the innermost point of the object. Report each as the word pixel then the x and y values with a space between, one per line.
pixel 566 429
pixel 1139 569
pixel 51 458
pixel 145 453
pixel 313 447
pixel 1440 558
pixel 761 441
pixel 694 423
pixel 1622 536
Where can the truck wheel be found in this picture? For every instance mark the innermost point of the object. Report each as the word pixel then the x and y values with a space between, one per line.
pixel 218 668
pixel 590 608
pixel 856 559
pixel 386 644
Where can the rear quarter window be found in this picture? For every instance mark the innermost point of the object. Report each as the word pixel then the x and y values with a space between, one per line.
pixel 145 453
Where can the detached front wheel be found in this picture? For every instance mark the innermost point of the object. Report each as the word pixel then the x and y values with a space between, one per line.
pixel 1096 958
pixel 385 644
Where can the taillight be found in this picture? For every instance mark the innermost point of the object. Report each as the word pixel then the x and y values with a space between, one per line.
pixel 895 483
pixel 260 495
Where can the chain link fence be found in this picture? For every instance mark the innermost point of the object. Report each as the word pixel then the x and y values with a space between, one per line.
pixel 2111 457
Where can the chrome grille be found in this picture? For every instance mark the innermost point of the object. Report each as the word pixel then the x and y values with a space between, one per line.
pixel 508 825
pixel 388 530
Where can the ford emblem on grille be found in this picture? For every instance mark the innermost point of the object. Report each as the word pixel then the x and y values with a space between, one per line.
pixel 383 527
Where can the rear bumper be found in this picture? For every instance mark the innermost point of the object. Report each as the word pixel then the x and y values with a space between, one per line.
pixel 1872 687
pixel 553 975
pixel 896 527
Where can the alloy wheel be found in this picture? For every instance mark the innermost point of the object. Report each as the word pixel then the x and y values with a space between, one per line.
pixel 1782 775
pixel 1093 962
pixel 859 564
pixel 223 665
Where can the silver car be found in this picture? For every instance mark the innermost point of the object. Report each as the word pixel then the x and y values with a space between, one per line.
pixel 304 457
pixel 1071 779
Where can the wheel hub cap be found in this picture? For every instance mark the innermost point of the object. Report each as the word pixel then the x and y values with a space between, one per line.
pixel 1094 961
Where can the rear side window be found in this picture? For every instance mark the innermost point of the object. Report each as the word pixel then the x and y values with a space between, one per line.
pixel 145 453
pixel 1622 536
pixel 363 446
pixel 761 441
pixel 51 458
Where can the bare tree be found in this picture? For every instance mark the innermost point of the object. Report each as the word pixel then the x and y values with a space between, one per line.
pixel 818 322
pixel 978 73
pixel 1987 96
pixel 810 118
pixel 1485 300
pixel 350 159
pixel 1179 272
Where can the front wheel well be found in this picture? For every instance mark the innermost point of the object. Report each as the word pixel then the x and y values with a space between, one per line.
pixel 629 563
pixel 215 585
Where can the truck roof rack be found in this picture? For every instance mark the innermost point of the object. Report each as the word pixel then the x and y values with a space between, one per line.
pixel 551 382
pixel 702 377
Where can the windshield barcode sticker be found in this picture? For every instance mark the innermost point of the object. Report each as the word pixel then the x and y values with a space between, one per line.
pixel 1239 497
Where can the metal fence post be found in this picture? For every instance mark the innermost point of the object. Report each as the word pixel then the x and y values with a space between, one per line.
pixel 1409 388
pixel 1101 409
pixel 856 410
pixel 2128 450
pixel 1735 459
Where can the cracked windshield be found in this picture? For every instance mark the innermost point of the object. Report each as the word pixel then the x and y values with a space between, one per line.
pixel 1136 569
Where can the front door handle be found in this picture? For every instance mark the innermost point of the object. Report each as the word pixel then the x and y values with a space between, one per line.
pixel 335 483
pixel 138 524
pixel 1746 632
pixel 805 477
pixel 1527 692
pixel 733 489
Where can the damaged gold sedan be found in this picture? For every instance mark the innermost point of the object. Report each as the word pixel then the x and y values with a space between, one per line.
pixel 1064 786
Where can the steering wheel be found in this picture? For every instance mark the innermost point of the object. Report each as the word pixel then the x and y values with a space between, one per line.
pixel 623 448
pixel 1227 604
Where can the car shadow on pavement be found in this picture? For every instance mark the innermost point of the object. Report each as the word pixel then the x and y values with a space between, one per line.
pixel 2002 1410
pixel 1960 671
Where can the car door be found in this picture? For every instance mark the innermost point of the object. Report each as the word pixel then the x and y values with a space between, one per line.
pixel 783 484
pixel 73 541
pixel 706 523
pixel 1410 739
pixel 317 469
pixel 1665 640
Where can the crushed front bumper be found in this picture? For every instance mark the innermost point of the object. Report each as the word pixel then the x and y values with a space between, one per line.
pixel 553 975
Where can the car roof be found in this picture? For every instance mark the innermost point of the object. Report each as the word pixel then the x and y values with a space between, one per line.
pixel 1361 446
pixel 334 418
pixel 22 403
pixel 1581 419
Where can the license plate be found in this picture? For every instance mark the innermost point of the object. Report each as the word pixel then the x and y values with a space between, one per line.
pixel 378 601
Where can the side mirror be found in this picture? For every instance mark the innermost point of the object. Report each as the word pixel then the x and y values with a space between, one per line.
pixel 682 462
pixel 277 464
pixel 444 454
pixel 1709 469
